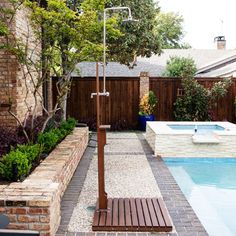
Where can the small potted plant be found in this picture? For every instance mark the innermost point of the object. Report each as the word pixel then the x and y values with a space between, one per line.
pixel 147 105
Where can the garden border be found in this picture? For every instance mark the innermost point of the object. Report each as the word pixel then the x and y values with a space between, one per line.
pixel 34 204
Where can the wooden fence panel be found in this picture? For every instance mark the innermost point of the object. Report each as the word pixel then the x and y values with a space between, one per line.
pixel 121 106
pixel 166 92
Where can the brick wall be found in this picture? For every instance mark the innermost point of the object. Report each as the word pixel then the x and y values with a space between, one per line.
pixel 34 204
pixel 144 84
pixel 13 86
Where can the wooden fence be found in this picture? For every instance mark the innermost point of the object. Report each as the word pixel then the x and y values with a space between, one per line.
pixel 122 105
pixel 166 91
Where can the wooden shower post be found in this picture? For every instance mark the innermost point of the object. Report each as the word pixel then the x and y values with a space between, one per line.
pixel 101 137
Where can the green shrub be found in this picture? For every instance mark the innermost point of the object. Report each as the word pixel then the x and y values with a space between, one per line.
pixel 31 151
pixel 48 140
pixel 17 163
pixel 67 126
pixel 14 165
pixel 197 101
pixel 193 105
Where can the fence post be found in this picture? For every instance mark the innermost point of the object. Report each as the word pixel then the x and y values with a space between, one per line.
pixel 144 83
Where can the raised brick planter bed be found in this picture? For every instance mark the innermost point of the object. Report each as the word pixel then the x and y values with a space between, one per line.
pixel 34 204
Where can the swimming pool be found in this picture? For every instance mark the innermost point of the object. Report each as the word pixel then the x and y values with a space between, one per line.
pixel 197 128
pixel 192 139
pixel 209 184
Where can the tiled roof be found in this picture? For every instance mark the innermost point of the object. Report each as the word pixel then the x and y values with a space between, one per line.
pixel 225 71
pixel 155 65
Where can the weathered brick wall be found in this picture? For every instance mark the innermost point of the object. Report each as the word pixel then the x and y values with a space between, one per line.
pixel 34 204
pixel 14 88
pixel 8 72
pixel 144 84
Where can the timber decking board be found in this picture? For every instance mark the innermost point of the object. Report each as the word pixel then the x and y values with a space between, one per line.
pixel 134 214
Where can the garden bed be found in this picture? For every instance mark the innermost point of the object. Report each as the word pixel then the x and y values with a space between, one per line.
pixel 34 204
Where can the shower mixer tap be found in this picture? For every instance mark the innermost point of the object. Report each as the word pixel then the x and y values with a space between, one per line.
pixel 106 94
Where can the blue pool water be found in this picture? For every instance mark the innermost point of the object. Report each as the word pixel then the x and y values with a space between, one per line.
pixel 209 184
pixel 200 128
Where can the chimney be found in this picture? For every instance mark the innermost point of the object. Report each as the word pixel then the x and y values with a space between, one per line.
pixel 221 42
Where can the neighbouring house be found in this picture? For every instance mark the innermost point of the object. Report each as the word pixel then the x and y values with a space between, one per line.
pixel 210 63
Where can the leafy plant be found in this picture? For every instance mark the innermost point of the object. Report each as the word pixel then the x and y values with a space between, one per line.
pixel 48 140
pixel 67 127
pixel 193 105
pixel 10 137
pixel 148 103
pixel 31 151
pixel 197 101
pixel 219 89
pixel 14 165
pixel 18 162
pixel 180 67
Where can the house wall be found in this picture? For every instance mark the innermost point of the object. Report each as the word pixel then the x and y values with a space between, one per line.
pixel 14 88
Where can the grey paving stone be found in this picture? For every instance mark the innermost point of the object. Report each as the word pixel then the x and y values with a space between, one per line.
pixel 90 234
pixel 101 234
pixel 111 234
pixel 122 234
pixel 80 234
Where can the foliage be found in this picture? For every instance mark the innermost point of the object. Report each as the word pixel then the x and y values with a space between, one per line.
pixel 67 36
pixel 139 38
pixel 197 101
pixel 170 30
pixel 193 105
pixel 9 137
pixel 51 138
pixel 32 151
pixel 67 126
pixel 180 67
pixel 14 165
pixel 21 49
pixel 71 37
pixel 21 159
pixel 148 103
pixel 219 90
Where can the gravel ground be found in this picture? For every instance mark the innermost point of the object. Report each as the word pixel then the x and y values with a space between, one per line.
pixel 127 175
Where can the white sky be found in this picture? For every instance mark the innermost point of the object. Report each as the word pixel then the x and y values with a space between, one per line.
pixel 202 20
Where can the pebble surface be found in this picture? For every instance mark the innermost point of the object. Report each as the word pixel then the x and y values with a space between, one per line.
pixel 127 174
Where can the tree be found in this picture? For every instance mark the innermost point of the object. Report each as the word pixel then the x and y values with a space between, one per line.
pixel 70 37
pixel 180 67
pixel 170 30
pixel 139 38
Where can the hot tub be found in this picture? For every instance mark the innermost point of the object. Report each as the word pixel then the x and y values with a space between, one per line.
pixel 192 139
